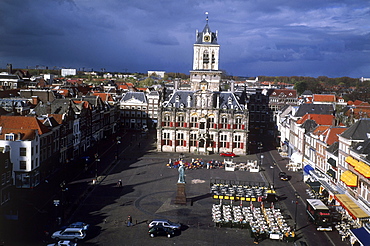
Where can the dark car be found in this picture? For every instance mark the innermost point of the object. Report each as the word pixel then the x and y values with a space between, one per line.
pixel 165 223
pixel 283 176
pixel 228 154
pixel 161 231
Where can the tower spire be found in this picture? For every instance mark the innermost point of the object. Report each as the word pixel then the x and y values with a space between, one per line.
pixel 206 17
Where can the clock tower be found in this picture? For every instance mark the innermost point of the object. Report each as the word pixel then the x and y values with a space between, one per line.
pixel 205 61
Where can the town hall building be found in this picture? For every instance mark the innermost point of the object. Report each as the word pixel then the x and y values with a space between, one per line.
pixel 204 119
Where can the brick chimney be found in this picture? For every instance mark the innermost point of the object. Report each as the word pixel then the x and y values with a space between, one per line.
pixel 35 100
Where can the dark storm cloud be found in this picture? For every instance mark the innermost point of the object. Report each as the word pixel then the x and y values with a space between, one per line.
pixel 263 37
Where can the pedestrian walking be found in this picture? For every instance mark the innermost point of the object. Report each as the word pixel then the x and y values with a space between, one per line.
pixel 256 237
pixel 119 183
pixel 129 221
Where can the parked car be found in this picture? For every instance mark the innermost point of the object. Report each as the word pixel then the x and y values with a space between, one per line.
pixel 165 223
pixel 283 176
pixel 74 234
pixel 228 154
pixel 161 231
pixel 63 243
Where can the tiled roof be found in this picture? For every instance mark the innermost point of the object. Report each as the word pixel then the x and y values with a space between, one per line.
pixel 332 134
pixel 18 123
pixel 324 98
pixel 320 119
pixel 57 117
pixel 63 92
pixel 83 104
pixel 19 134
pixel 358 131
pixel 357 102
pixel 314 109
pixel 123 87
pixel 104 96
pixel 362 112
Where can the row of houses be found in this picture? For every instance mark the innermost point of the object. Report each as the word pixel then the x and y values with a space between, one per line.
pixel 329 143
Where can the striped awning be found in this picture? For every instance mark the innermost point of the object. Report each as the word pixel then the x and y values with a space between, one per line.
pixel 363 168
pixel 353 209
pixel 349 178
pixel 350 160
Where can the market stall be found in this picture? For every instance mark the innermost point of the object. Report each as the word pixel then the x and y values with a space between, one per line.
pixel 267 222
pixel 239 192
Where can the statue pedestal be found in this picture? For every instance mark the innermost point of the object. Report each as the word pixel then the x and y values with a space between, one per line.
pixel 180 195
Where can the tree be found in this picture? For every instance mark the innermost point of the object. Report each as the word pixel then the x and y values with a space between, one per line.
pixel 300 86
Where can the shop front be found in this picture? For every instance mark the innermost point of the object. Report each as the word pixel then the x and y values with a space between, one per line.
pixel 359 215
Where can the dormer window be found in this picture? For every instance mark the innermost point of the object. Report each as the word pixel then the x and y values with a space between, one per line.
pixel 9 137
pixel 229 100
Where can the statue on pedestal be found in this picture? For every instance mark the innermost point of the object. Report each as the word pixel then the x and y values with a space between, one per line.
pixel 181 173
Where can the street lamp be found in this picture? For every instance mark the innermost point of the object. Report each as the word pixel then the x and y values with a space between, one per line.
pixel 117 150
pixel 262 160
pixel 273 175
pixel 96 166
pixel 296 205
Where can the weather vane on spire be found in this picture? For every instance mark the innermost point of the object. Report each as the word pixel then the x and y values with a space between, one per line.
pixel 206 17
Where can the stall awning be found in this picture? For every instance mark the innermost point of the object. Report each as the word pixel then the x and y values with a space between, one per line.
pixel 349 178
pixel 308 168
pixel 332 162
pixel 353 209
pixel 331 173
pixel 363 168
pixel 362 235
pixel 350 160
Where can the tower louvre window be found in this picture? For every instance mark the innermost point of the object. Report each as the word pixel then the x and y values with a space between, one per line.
pixel 205 57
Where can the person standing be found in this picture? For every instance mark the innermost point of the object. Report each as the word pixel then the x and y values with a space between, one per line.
pixel 129 221
pixel 256 237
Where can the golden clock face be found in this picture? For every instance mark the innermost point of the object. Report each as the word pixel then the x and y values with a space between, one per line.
pixel 207 38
